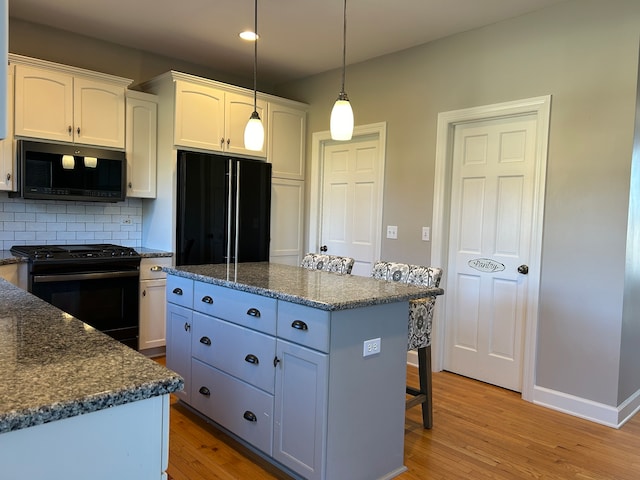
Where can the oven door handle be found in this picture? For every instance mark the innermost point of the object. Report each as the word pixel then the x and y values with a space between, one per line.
pixel 83 276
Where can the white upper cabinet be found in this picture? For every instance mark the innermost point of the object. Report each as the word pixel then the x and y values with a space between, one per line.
pixel 54 102
pixel 4 49
pixel 142 115
pixel 7 158
pixel 211 118
pixel 287 129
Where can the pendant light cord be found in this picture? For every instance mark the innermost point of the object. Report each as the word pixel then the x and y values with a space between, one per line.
pixel 344 44
pixel 255 58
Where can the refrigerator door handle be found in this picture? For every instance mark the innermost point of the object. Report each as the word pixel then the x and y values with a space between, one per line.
pixel 229 210
pixel 237 211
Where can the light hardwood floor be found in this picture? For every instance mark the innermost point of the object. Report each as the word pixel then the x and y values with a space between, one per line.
pixel 480 432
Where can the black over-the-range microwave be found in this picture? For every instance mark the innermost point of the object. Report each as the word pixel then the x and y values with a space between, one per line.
pixel 56 171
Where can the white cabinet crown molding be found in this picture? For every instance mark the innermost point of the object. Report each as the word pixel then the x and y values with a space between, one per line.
pixel 74 71
pixel 194 79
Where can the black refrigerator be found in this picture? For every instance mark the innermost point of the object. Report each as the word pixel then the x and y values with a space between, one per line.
pixel 223 209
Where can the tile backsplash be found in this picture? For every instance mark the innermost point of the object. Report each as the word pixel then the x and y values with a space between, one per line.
pixel 44 222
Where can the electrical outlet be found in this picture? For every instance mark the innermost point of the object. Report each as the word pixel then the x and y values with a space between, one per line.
pixel 371 347
pixel 425 234
pixel 392 231
pixel 126 221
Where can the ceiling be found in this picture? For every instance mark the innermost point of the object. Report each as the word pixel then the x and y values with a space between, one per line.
pixel 298 38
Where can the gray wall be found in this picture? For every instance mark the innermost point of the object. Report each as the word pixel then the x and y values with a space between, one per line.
pixel 585 54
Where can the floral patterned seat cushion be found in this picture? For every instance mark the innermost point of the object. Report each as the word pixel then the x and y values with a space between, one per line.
pixel 420 322
pixel 328 263
pixel 420 310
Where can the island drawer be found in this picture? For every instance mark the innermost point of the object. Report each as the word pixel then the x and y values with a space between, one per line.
pixel 304 325
pixel 244 308
pixel 238 351
pixel 237 406
pixel 180 291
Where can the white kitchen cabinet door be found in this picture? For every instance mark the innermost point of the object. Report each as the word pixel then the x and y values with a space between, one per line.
pixel 152 314
pixel 7 158
pixel 4 50
pixel 99 110
pixel 199 116
pixel 141 144
pixel 43 104
pixel 286 145
pixel 287 228
pixel 238 110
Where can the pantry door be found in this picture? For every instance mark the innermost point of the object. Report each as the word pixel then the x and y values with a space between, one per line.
pixel 493 234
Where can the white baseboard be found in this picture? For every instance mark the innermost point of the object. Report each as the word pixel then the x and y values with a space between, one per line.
pixel 596 412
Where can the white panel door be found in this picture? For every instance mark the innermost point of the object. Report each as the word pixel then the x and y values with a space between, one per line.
pixel 489 240
pixel 350 202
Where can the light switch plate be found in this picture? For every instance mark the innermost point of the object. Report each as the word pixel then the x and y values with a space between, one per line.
pixel 425 234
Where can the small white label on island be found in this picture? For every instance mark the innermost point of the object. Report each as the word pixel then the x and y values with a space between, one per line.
pixel 371 347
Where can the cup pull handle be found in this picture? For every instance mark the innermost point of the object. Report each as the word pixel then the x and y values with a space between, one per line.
pixel 177 291
pixel 205 341
pixel 251 358
pixel 253 312
pixel 299 325
pixel 250 416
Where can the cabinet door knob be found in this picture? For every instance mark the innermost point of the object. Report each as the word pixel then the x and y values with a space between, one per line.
pixel 207 299
pixel 253 312
pixel 250 416
pixel 187 327
pixel 156 268
pixel 70 130
pixel 177 291
pixel 299 325
pixel 205 341
pixel 221 141
pixel 276 361
pixel 204 391
pixel 251 358
pixel 78 130
pixel 130 185
pixel 144 293
pixel 8 177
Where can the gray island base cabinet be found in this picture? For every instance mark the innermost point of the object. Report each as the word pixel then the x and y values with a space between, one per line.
pixel 274 355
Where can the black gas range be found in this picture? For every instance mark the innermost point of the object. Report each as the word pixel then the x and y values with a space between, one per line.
pixel 96 283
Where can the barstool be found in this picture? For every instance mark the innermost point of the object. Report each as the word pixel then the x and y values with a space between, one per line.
pixel 328 263
pixel 420 322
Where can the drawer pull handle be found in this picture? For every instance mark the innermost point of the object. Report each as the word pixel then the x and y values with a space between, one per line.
pixel 253 312
pixel 156 268
pixel 205 341
pixel 207 299
pixel 251 358
pixel 250 416
pixel 299 325
pixel 177 291
pixel 205 391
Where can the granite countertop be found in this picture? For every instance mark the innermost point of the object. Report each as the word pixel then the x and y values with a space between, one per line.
pixel 317 289
pixel 53 366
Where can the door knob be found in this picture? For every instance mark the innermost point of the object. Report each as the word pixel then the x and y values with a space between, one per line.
pixel 523 269
pixel 323 248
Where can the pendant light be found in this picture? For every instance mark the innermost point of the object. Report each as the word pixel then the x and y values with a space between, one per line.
pixel 341 123
pixel 254 131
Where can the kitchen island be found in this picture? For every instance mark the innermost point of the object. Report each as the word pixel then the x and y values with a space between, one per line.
pixel 74 403
pixel 307 368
